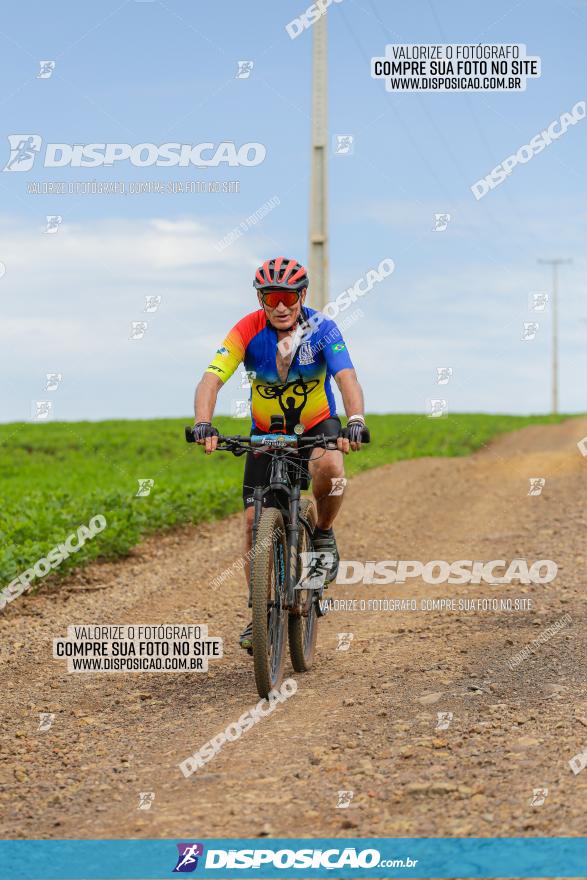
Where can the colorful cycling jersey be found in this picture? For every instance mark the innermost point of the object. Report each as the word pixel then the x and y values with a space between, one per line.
pixel 305 397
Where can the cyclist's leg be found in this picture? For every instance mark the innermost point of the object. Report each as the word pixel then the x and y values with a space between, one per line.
pixel 326 470
pixel 326 467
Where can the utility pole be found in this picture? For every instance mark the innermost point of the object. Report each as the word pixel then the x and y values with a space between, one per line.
pixel 318 244
pixel 555 264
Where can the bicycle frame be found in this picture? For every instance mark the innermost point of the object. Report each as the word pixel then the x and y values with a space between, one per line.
pixel 285 483
pixel 287 493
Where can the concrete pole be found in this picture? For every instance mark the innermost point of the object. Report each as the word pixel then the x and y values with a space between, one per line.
pixel 555 264
pixel 318 244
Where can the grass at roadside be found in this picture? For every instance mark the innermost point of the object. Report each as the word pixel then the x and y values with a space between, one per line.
pixel 57 476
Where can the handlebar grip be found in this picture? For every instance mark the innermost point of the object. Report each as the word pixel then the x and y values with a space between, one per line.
pixel 189 434
pixel 365 434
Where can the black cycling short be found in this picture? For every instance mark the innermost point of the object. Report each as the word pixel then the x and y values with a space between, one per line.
pixel 257 467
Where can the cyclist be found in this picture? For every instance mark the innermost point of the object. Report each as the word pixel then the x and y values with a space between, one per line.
pixel 290 352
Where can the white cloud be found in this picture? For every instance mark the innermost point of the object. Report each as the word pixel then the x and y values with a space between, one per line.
pixel 68 301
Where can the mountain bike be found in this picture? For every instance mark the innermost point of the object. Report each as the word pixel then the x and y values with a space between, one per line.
pixel 285 602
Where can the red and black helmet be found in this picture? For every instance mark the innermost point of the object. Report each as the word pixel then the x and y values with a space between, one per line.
pixel 281 273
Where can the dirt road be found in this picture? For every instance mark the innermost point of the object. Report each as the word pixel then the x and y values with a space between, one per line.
pixel 364 720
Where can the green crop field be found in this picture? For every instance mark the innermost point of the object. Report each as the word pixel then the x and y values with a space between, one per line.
pixel 57 476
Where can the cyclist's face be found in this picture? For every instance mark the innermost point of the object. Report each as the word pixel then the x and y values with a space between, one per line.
pixel 283 317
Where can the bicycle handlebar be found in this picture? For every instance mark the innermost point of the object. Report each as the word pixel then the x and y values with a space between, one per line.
pixel 289 441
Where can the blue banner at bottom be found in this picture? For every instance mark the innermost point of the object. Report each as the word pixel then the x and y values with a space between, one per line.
pixel 293 857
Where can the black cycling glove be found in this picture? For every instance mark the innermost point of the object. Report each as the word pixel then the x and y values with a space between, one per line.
pixel 203 430
pixel 354 429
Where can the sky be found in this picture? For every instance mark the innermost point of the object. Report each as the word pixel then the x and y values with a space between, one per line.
pixel 165 71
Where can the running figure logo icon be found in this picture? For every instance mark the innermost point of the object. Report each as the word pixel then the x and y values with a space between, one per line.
pixel 539 795
pixel 23 150
pixel 187 860
pixel 315 567
pixel 441 222
pixel 245 68
pixel 54 221
pixel 344 799
pixel 343 144
pixel 46 71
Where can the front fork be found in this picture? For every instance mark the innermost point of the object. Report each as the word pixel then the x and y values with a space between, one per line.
pixel 293 532
pixel 258 507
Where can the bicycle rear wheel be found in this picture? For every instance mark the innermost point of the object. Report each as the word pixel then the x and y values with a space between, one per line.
pixel 267 593
pixel 303 628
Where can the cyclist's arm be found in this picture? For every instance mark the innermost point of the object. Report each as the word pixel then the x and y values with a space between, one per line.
pixel 218 371
pixel 204 405
pixel 221 368
pixel 206 396
pixel 351 391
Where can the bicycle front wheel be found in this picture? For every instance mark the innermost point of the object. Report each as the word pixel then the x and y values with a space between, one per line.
pixel 268 593
pixel 303 628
